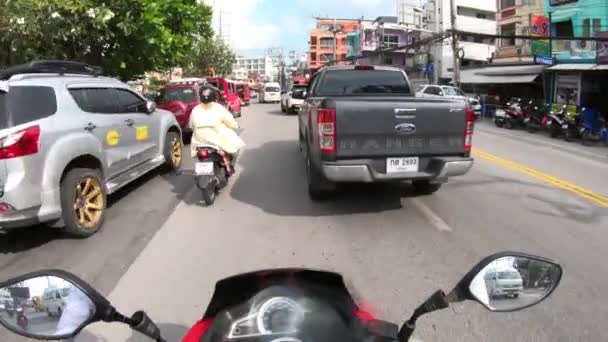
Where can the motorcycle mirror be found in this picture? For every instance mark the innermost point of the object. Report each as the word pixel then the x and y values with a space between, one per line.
pixel 509 281
pixel 62 306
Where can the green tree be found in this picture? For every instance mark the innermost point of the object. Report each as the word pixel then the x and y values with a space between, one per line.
pixel 125 37
pixel 210 57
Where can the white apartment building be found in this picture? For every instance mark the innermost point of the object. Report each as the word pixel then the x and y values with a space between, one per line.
pixel 472 16
pixel 266 66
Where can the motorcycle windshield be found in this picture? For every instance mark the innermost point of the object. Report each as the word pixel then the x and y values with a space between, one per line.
pixel 290 304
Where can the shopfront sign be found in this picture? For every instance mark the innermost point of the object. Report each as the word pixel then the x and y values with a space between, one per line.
pixel 540 28
pixel 544 60
pixel 602 48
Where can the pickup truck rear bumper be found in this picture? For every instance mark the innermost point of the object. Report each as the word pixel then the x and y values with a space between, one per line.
pixel 366 170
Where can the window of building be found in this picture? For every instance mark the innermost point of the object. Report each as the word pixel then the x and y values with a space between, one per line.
pixel 326 57
pixel 508 30
pixel 586 28
pixel 390 41
pixel 507 3
pixel 475 13
pixel 597 25
pixel 327 42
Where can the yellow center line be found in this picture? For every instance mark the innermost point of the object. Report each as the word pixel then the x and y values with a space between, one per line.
pixel 545 177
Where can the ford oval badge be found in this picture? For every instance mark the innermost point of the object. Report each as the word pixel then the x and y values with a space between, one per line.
pixel 405 128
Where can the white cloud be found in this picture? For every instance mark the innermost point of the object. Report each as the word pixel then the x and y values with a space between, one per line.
pixel 240 25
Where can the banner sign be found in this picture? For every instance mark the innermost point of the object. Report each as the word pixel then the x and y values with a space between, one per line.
pixel 540 28
pixel 602 48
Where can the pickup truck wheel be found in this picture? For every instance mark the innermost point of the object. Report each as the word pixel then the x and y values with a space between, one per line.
pixel 173 151
pixel 83 202
pixel 318 187
pixel 425 187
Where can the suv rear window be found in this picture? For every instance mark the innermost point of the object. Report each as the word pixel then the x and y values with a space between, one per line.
pixel 272 90
pixel 23 104
pixel 185 95
pixel 354 82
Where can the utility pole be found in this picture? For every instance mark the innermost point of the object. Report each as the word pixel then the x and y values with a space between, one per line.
pixel 436 53
pixel 456 78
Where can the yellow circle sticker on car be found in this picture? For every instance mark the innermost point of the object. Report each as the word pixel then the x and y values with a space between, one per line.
pixel 113 137
pixel 141 132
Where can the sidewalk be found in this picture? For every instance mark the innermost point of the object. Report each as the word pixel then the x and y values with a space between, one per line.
pixel 597 152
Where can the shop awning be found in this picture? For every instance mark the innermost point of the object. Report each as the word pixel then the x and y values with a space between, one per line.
pixel 501 74
pixel 573 66
pixel 601 67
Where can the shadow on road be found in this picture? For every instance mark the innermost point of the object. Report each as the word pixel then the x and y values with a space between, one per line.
pixel 273 179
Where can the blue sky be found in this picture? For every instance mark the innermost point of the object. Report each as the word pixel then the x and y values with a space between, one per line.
pixel 255 25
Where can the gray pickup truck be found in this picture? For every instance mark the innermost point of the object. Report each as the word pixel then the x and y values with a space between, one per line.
pixel 364 124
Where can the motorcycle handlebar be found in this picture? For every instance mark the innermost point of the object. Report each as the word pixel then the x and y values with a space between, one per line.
pixel 142 323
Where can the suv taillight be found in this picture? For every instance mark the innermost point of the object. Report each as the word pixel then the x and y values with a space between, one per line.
pixel 468 130
pixel 21 143
pixel 326 121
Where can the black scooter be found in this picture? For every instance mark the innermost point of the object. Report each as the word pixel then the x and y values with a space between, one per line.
pixel 212 171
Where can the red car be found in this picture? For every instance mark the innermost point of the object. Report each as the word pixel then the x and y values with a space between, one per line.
pixel 229 93
pixel 180 97
pixel 244 93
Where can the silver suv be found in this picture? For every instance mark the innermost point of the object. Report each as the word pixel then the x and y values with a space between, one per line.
pixel 69 138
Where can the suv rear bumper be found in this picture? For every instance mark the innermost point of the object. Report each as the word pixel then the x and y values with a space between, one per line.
pixel 363 171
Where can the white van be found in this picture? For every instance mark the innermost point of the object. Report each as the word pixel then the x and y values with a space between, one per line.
pixel 503 282
pixel 54 300
pixel 271 92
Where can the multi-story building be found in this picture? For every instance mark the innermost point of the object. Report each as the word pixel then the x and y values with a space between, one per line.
pixel 579 76
pixel 328 41
pixel 472 16
pixel 409 15
pixel 386 33
pixel 514 17
pixel 267 67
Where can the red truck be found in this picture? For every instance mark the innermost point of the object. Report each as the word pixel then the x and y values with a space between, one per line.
pixel 180 97
pixel 229 92
pixel 244 93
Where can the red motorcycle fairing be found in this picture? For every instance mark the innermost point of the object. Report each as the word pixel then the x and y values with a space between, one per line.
pixel 198 330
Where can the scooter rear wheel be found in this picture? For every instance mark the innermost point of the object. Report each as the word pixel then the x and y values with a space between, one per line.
pixel 209 194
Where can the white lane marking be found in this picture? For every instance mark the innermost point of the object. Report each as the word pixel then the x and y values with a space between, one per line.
pixel 430 215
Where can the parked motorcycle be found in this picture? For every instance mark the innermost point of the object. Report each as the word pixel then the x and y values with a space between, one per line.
pixel 510 116
pixel 593 127
pixel 535 116
pixel 555 122
pixel 308 305
pixel 211 171
pixel 570 126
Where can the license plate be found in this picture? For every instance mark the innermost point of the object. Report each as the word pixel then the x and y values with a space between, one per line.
pixel 565 126
pixel 409 164
pixel 203 168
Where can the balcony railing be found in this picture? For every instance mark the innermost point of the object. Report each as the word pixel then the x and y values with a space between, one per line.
pixel 574 49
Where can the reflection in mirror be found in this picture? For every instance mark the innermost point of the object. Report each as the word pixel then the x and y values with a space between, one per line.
pixel 46 306
pixel 511 283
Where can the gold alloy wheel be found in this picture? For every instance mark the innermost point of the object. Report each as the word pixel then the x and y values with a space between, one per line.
pixel 176 151
pixel 88 203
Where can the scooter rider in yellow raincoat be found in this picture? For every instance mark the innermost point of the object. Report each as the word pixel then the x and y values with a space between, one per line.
pixel 212 124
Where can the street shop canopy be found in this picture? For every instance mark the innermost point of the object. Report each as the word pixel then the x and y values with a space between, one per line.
pixel 578 67
pixel 501 74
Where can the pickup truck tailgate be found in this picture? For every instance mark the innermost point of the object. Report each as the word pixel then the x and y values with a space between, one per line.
pixel 398 126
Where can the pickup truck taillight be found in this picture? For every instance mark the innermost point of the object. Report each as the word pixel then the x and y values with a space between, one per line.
pixel 326 120
pixel 468 130
pixel 20 144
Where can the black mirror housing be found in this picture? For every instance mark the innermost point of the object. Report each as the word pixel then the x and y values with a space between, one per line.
pixel 462 291
pixel 104 311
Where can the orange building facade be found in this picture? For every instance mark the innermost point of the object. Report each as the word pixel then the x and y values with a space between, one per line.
pixel 322 41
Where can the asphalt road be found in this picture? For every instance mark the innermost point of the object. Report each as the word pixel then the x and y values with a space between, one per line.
pixel 393 248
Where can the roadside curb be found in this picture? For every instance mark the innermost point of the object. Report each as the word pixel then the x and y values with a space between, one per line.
pixel 601 155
